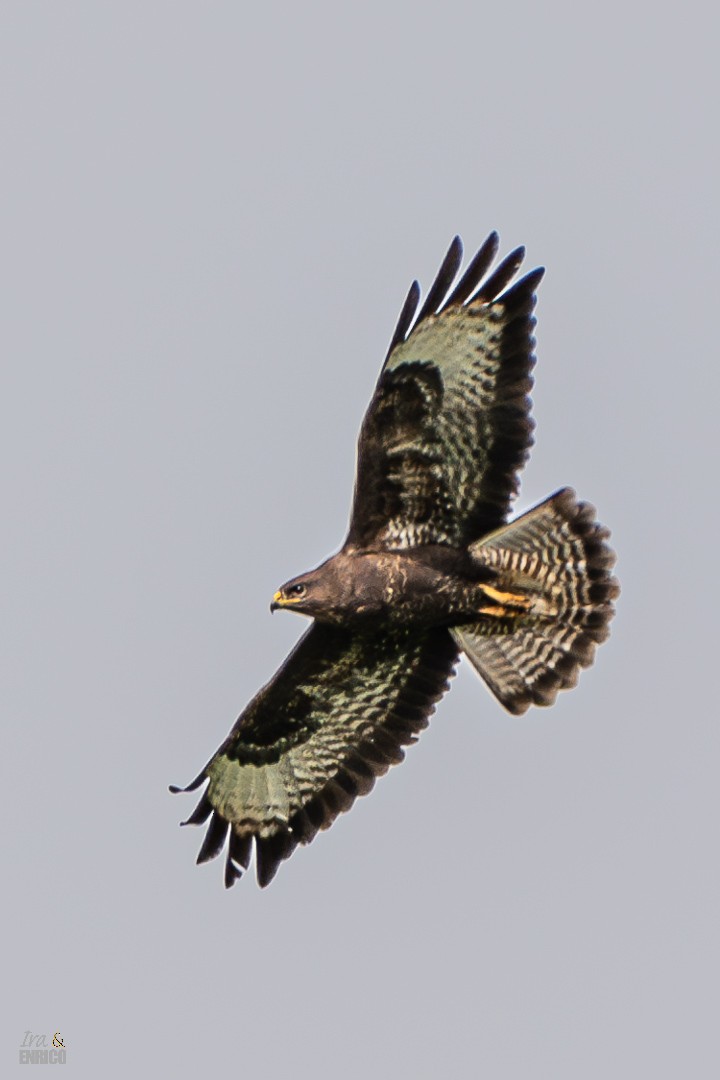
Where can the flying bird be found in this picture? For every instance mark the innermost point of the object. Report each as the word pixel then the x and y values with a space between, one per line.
pixel 431 569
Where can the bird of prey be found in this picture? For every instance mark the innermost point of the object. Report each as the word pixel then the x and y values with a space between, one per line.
pixel 430 569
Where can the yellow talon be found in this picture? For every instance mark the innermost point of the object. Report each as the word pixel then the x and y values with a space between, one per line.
pixel 505 597
pixel 514 599
pixel 507 605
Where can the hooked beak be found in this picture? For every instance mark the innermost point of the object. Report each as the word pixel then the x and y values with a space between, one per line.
pixel 277 601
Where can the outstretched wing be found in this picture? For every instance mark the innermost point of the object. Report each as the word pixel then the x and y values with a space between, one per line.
pixel 335 716
pixel 449 426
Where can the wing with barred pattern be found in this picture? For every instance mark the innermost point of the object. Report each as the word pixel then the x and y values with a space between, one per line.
pixel 449 426
pixel 334 717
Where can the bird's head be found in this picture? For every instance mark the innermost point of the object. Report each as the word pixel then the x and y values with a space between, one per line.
pixel 328 593
pixel 304 594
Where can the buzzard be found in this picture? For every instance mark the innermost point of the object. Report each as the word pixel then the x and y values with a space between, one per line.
pixel 430 569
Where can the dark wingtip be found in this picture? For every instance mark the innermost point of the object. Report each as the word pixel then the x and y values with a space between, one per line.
pixel 232 873
pixel 478 267
pixel 531 280
pixel 270 851
pixel 501 277
pixel 214 839
pixel 406 317
pixel 444 279
pixel 192 786
pixel 438 300
pixel 267 874
pixel 523 291
pixel 201 812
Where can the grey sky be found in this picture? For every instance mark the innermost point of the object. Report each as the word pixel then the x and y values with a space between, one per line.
pixel 211 214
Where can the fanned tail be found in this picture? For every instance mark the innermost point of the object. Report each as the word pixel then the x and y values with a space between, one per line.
pixel 557 557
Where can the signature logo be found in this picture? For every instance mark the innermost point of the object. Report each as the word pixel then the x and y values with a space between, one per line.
pixel 35 1050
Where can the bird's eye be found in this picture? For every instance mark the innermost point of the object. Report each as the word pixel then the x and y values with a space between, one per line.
pixel 297 590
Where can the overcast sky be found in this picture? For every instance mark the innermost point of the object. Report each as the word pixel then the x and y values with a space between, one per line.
pixel 211 214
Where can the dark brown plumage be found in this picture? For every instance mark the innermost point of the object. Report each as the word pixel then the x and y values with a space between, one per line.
pixel 429 569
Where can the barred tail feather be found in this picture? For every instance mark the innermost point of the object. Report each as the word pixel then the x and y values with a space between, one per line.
pixel 557 557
